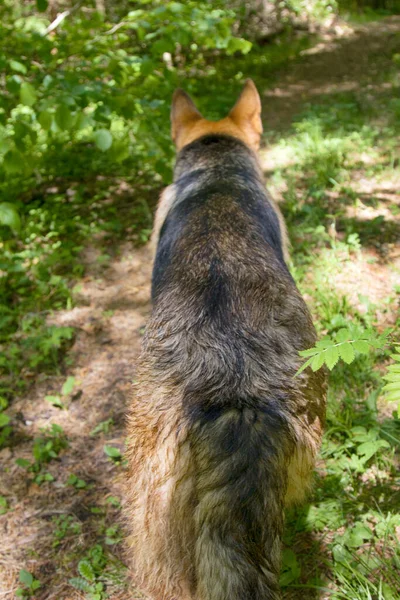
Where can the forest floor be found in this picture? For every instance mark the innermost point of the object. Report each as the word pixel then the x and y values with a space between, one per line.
pixel 69 515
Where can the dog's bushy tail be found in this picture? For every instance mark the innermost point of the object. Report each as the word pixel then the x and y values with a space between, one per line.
pixel 238 458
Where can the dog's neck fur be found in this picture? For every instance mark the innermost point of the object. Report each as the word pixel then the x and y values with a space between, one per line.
pixel 217 155
pixel 209 159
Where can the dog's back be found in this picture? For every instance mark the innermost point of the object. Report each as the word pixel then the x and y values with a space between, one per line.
pixel 221 435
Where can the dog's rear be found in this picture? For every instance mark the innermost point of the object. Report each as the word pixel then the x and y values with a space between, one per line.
pixel 221 434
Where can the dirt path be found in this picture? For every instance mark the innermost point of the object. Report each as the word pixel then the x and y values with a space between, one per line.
pixel 112 308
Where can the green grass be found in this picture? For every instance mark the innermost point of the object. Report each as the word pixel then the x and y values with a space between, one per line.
pixel 345 543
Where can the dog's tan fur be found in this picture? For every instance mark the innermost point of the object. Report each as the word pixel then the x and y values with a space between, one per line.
pixel 221 435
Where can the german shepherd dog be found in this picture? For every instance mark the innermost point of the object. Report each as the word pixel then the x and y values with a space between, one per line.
pixel 221 434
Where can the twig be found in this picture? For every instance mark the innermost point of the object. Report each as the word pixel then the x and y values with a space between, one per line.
pixel 60 18
pixel 116 27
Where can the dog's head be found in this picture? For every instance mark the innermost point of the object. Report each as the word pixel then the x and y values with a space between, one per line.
pixel 243 121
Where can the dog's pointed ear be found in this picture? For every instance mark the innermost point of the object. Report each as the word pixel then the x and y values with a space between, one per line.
pixel 184 114
pixel 246 113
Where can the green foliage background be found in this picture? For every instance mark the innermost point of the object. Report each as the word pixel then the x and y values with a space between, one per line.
pixel 83 104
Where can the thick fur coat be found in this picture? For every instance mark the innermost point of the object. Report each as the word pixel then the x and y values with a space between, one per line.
pixel 222 435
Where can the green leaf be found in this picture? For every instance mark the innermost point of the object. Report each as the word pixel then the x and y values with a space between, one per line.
pixel 81 584
pixel 309 352
pixel 4 420
pixel 392 396
pixel 163 45
pixel 55 401
pixel 26 577
pixel 239 45
pixel 357 535
pixel 324 343
pixel 103 139
pixel 362 347
pixel 331 357
pixel 13 163
pixel 343 335
pixel 391 376
pixel 393 386
pixel 318 361
pixel 27 94
pixel 3 505
pixel 290 568
pixel 42 5
pixel 86 570
pixel 304 366
pixel 68 386
pixel 18 67
pixel 45 120
pixel 346 352
pixel 23 462
pixel 368 449
pixel 9 216
pixel 112 452
pixel 64 117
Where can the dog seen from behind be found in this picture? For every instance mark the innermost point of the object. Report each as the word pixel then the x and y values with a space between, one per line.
pixel 221 434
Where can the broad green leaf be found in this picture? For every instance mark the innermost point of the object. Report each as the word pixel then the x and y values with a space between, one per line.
pixel 68 386
pixel 318 361
pixel 45 119
pixel 18 67
pixel 368 449
pixel 362 347
pixel 4 420
pixel 343 335
pixel 331 357
pixel 42 5
pixel 346 352
pixel 13 162
pixel 55 401
pixel 356 536
pixel 163 45
pixel 23 462
pixel 112 452
pixel 9 216
pixel 27 94
pixel 3 505
pixel 64 117
pixel 13 83
pixel 103 139
pixel 26 577
pixel 324 343
pixel 239 45
pixel 147 66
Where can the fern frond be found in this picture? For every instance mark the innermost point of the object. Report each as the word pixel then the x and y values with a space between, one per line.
pixel 392 388
pixel 345 344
